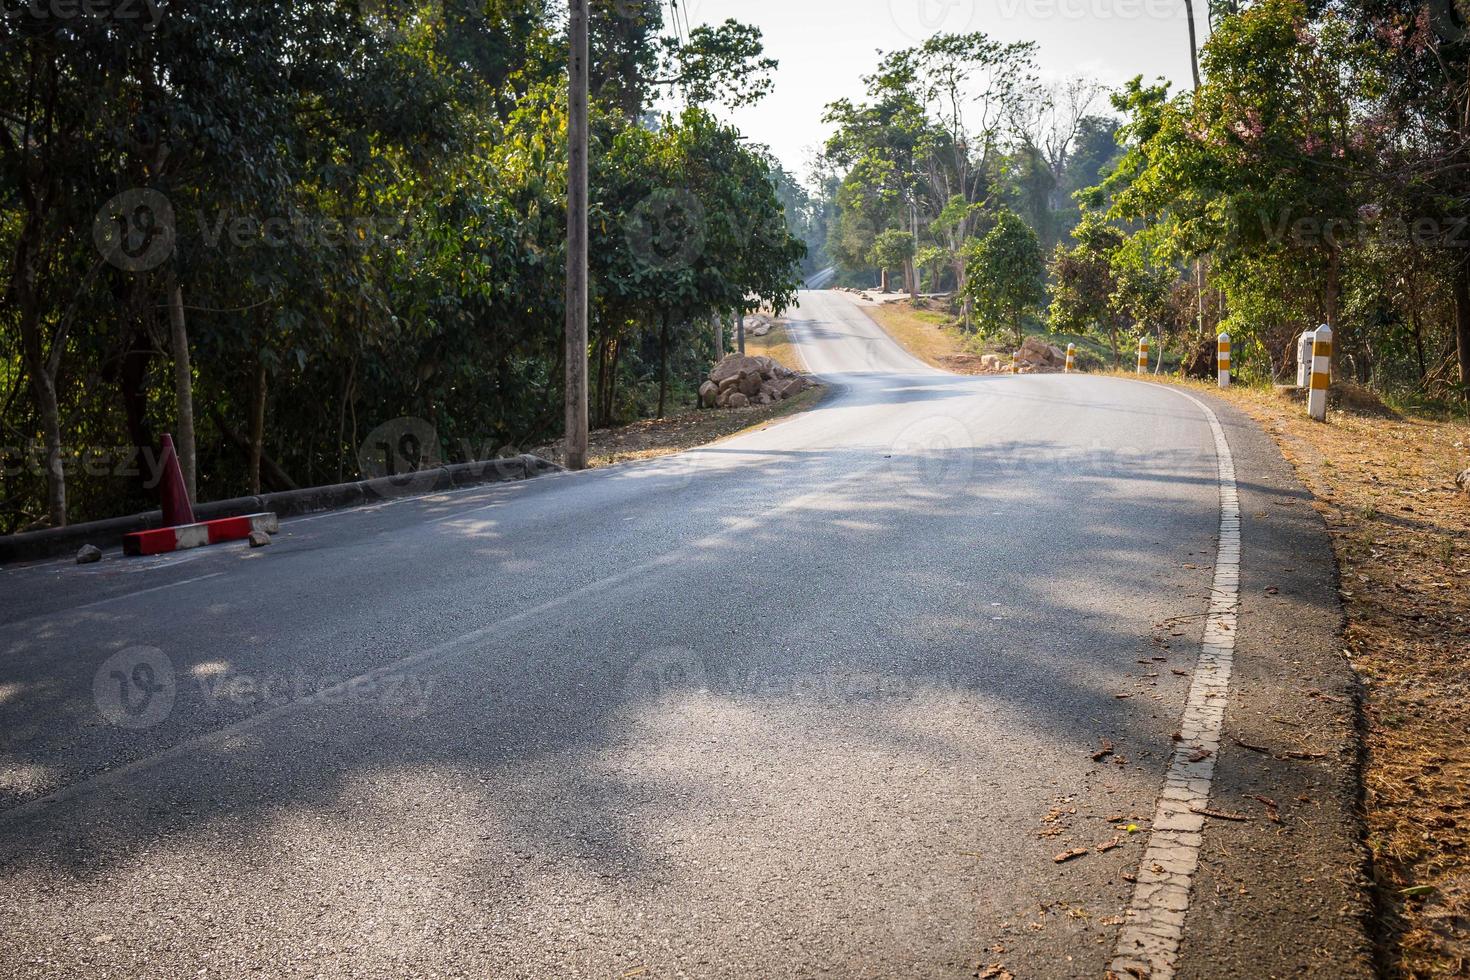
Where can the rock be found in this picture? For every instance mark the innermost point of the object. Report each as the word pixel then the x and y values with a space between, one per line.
pixel 755 379
pixel 761 330
pixel 992 362
pixel 733 366
pixel 1038 352
pixel 259 539
pixel 1462 480
pixel 89 555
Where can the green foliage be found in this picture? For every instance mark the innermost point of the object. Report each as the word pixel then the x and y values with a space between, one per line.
pixel 1006 277
pixel 364 210
pixel 924 147
pixel 893 249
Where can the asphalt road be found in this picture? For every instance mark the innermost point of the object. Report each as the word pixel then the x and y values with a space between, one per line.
pixel 821 700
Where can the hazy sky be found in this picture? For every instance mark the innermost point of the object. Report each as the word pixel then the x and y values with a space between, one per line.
pixel 826 46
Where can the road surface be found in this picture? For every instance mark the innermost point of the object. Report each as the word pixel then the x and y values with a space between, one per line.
pixel 822 700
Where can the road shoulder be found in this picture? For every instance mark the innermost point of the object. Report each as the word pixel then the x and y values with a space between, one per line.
pixel 1284 891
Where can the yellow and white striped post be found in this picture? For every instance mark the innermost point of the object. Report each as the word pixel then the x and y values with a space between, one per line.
pixel 1143 355
pixel 1321 373
pixel 1071 358
pixel 1304 359
pixel 1223 360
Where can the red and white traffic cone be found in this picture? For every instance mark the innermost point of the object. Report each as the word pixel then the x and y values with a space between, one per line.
pixel 177 510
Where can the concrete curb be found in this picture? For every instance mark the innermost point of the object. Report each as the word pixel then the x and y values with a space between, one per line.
pixel 57 542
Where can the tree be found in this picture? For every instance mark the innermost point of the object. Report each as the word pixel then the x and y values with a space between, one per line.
pixel 1006 276
pixel 360 219
pixel 1256 167
pixel 934 259
pixel 1085 296
pixel 895 250
pixel 921 153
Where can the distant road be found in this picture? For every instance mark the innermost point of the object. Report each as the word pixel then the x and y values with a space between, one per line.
pixel 822 700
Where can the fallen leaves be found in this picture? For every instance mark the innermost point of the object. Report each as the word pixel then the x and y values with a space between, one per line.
pixel 1071 855
pixel 1104 752
pixel 1273 812
pixel 1254 748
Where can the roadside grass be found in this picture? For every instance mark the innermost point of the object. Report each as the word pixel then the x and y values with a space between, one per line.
pixel 1384 484
pixel 928 334
pixel 935 337
pixel 690 429
pixel 778 346
pixel 1384 481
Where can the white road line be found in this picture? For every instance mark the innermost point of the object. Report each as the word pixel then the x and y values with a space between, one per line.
pixel 116 598
pixel 1153 930
pixel 134 595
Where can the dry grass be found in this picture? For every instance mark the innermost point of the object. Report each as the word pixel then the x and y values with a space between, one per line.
pixel 778 346
pixel 1401 530
pixel 689 430
pixel 927 335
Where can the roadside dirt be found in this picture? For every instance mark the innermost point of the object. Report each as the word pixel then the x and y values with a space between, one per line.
pixel 778 346
pixel 652 438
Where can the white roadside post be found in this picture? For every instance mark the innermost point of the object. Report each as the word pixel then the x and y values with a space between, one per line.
pixel 1071 358
pixel 1223 360
pixel 1304 358
pixel 1321 373
pixel 1143 355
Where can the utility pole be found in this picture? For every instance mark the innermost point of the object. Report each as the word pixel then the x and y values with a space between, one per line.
pixel 576 354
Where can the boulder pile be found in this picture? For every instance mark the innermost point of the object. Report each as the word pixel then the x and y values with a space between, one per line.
pixel 758 325
pixel 740 382
pixel 1036 356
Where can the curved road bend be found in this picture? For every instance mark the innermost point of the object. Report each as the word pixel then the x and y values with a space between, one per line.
pixel 820 700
